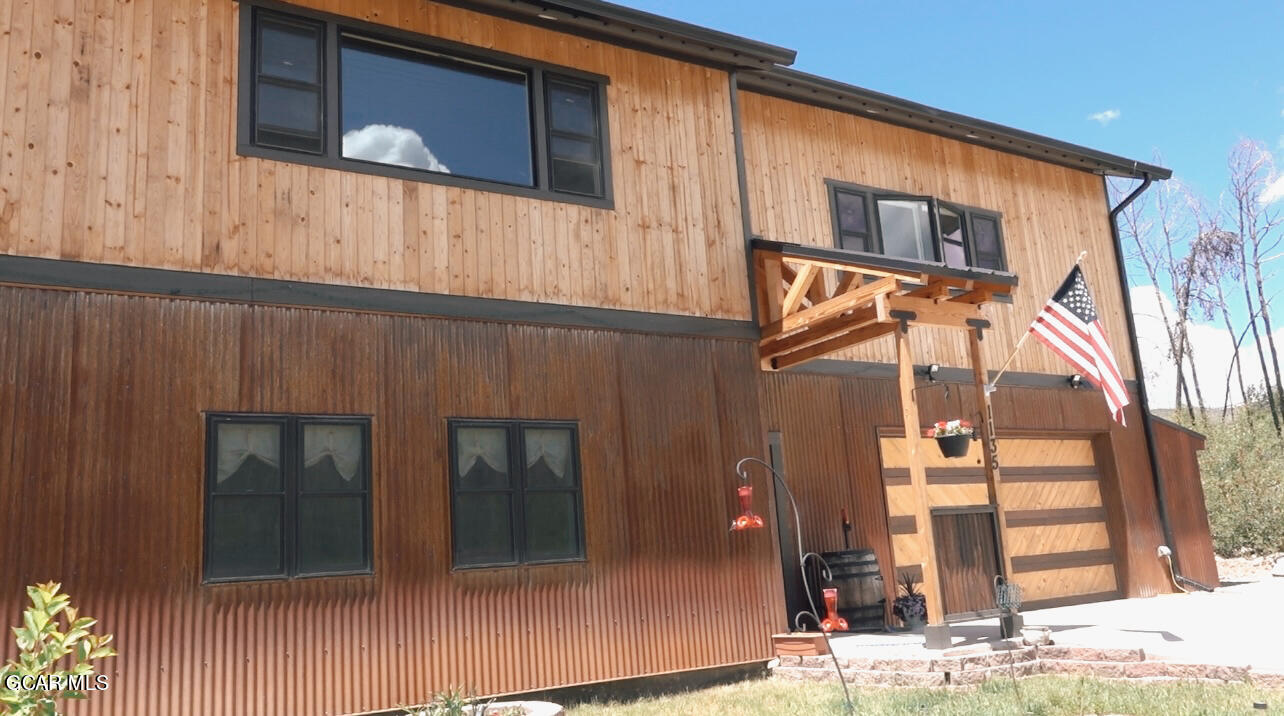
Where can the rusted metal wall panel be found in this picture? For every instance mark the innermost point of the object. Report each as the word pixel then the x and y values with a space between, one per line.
pixel 1187 511
pixel 102 457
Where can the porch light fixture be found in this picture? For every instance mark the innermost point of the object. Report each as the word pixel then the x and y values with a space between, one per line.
pixel 1075 380
pixel 744 494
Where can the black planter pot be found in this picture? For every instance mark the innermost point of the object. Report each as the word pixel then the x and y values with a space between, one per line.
pixel 953 445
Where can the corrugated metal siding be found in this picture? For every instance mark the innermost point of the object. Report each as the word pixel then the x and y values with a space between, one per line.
pixel 1187 511
pixel 102 452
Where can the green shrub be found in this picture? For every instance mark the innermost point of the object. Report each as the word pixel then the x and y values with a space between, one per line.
pixel 55 656
pixel 1242 467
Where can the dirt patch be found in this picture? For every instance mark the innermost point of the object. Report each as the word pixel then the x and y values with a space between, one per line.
pixel 1248 568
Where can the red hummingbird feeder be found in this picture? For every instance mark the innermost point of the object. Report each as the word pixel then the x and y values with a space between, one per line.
pixel 747 519
pixel 832 622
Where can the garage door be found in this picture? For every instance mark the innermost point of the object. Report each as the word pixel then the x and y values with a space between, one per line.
pixel 1051 496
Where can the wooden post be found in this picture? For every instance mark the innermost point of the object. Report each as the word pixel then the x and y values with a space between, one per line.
pixel 918 482
pixel 989 447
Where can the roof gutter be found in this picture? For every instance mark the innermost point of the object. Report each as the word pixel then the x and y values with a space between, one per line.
pixel 1161 495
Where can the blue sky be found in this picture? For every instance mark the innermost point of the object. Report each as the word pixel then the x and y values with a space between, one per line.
pixel 1185 79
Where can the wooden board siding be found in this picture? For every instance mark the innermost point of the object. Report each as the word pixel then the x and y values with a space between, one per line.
pixel 1050 214
pixel 1187 512
pixel 118 145
pixel 101 401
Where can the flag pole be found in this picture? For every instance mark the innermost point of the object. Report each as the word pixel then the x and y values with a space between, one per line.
pixel 993 384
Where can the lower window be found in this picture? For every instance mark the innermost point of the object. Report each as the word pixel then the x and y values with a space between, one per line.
pixel 286 496
pixel 515 492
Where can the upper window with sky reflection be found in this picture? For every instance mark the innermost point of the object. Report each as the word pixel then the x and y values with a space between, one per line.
pixel 435 113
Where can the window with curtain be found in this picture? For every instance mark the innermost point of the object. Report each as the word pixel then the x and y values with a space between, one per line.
pixel 515 489
pixel 286 496
pixel 919 228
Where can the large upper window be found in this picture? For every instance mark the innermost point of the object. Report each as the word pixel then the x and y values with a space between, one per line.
pixel 343 94
pixel 515 489
pixel 921 228
pixel 286 496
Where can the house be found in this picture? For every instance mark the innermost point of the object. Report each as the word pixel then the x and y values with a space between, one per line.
pixel 354 350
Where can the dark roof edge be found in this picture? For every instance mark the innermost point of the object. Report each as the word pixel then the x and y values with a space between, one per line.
pixel 813 89
pixel 891 263
pixel 629 27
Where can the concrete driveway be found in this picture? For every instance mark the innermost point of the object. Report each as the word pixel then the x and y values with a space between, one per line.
pixel 1240 625
pixel 1237 626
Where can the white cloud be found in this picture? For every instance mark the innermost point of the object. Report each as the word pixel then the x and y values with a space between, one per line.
pixel 387 144
pixel 1274 191
pixel 1213 348
pixel 1105 116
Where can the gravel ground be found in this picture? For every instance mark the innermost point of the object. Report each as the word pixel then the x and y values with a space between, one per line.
pixel 1246 569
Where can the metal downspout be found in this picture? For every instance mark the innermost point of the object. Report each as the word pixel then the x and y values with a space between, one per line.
pixel 1160 493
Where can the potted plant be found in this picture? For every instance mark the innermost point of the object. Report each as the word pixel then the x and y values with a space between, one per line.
pixel 952 437
pixel 910 605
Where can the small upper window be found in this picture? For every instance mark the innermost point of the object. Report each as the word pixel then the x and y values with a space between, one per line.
pixel 516 493
pixel 920 228
pixel 288 88
pixel 852 221
pixel 953 246
pixel 420 111
pixel 906 228
pixel 987 248
pixel 287 496
pixel 574 143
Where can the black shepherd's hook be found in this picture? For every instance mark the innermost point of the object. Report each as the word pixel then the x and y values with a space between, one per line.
pixel 813 613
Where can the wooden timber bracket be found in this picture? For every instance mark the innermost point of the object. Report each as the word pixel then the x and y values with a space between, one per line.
pixel 815 301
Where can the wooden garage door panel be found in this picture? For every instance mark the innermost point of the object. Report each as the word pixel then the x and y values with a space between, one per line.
pixel 1058 583
pixel 905 550
pixel 1037 540
pixel 1049 495
pixel 1030 452
pixel 900 499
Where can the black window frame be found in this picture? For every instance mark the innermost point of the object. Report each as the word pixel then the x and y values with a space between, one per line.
pixel 968 214
pixel 292 425
pixel 517 489
pixel 540 76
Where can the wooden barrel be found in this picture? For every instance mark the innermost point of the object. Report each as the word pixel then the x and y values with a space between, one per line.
pixel 859 581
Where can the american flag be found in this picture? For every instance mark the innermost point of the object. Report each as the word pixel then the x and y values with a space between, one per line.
pixel 1069 326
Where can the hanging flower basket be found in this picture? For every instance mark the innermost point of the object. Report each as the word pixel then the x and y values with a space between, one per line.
pixel 952 437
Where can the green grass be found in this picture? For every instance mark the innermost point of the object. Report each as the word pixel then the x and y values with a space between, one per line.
pixel 1039 696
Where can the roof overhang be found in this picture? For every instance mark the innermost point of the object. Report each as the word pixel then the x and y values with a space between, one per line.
pixel 812 89
pixel 634 28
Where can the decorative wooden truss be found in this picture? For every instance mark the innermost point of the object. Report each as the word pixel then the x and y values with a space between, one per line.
pixel 815 301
